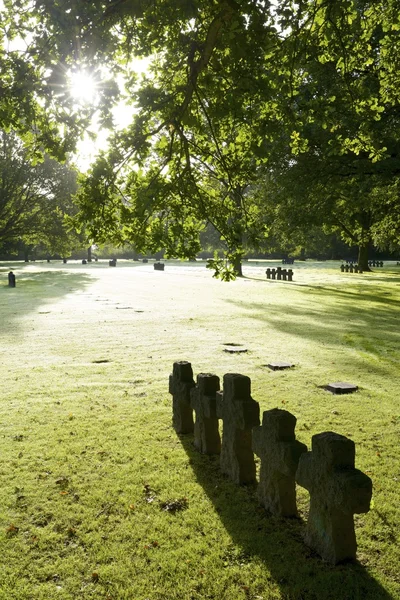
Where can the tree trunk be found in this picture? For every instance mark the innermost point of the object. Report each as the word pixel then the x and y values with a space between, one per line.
pixel 89 254
pixel 237 265
pixel 363 256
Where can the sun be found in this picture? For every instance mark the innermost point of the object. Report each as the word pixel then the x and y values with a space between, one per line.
pixel 83 87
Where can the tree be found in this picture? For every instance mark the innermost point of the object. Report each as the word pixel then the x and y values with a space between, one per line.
pixel 339 165
pixel 34 198
pixel 288 66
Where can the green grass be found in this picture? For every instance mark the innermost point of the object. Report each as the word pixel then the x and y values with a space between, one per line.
pixel 88 457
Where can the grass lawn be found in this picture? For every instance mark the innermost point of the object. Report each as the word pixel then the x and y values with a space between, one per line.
pixel 89 462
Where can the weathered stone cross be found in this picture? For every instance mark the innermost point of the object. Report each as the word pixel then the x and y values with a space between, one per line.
pixel 203 400
pixel 337 492
pixel 275 443
pixel 239 413
pixel 180 383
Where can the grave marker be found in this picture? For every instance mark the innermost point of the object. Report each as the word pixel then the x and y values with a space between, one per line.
pixel 279 366
pixel 239 413
pixel 180 384
pixel 234 348
pixel 337 491
pixel 11 279
pixel 275 443
pixel 203 400
pixel 341 387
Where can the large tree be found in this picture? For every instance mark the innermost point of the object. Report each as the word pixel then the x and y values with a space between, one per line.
pixel 34 198
pixel 341 162
pixel 215 64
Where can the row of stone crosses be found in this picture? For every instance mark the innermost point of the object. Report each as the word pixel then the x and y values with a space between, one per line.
pixel 337 490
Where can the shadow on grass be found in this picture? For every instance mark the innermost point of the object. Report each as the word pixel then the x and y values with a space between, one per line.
pixel 365 321
pixel 33 291
pixel 277 542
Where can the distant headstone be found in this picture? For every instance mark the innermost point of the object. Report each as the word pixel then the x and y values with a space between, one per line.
pixel 239 413
pixel 235 348
pixel 203 400
pixel 337 491
pixel 64 261
pixel 159 266
pixel 180 384
pixel 84 261
pixel 279 366
pixel 275 443
pixel 341 387
pixel 11 279
pixel 112 262
pixel 145 260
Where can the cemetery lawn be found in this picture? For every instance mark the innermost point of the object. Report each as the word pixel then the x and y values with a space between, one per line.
pixel 100 498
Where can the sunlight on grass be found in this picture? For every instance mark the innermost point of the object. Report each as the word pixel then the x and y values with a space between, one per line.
pixel 88 457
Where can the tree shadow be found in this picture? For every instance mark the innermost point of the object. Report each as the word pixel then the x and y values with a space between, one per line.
pixel 277 542
pixel 33 291
pixel 365 320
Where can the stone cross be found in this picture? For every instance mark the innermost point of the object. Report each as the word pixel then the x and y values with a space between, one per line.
pixel 337 492
pixel 275 443
pixel 239 413
pixel 180 383
pixel 203 400
pixel 11 279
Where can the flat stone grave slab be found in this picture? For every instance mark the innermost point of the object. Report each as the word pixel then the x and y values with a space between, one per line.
pixel 234 348
pixel 341 387
pixel 279 366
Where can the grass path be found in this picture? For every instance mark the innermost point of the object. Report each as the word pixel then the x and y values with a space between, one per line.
pixel 88 455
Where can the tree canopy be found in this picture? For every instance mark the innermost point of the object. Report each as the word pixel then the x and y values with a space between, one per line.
pixel 235 89
pixel 34 198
